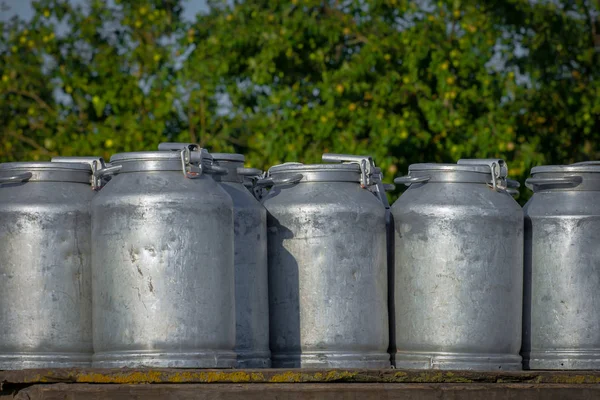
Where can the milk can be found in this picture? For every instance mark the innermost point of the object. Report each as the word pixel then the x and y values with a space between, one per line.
pixel 45 286
pixel 379 188
pixel 162 263
pixel 251 287
pixel 459 268
pixel 561 315
pixel 327 266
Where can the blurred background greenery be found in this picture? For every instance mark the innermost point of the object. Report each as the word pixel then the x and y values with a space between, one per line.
pixel 403 81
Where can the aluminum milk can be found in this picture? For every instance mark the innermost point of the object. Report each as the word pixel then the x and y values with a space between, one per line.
pixel 459 268
pixel 327 267
pixel 162 264
pixel 561 314
pixel 379 189
pixel 251 274
pixel 45 283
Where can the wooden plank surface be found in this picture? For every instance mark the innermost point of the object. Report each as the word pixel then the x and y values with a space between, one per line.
pixel 314 391
pixel 138 376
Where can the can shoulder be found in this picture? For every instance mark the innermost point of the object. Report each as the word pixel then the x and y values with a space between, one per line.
pixel 457 199
pixel 552 204
pixel 154 188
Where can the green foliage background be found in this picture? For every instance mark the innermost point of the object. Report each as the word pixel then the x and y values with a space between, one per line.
pixel 405 81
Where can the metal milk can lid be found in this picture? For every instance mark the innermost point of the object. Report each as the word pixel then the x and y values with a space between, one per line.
pixel 577 177
pixel 315 172
pixel 342 168
pixel 45 171
pixel 190 159
pixel 492 172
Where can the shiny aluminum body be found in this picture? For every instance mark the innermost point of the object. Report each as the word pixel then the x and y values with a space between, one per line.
pixel 162 264
pixel 251 274
pixel 561 316
pixel 459 268
pixel 45 282
pixel 327 268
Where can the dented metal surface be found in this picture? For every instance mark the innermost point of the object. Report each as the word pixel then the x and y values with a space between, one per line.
pixel 251 275
pixel 162 265
pixel 459 269
pixel 562 276
pixel 45 286
pixel 327 268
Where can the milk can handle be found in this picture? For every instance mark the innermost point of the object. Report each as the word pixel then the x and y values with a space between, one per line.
pixel 512 187
pixel 249 171
pixel 16 178
pixel 271 182
pixel 409 180
pixel 513 192
pixel 511 183
pixel 570 181
pixel 215 170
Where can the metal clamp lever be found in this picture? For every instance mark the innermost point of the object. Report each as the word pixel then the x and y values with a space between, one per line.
pixel 371 176
pixel 101 172
pixel 189 170
pixel 194 159
pixel 366 164
pixel 108 170
pixel 16 178
pixel 79 160
pixel 498 169
pixel 96 164
pixel 379 188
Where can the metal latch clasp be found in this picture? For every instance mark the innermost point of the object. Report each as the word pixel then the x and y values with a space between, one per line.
pixel 371 176
pixel 498 169
pixel 101 170
pixel 366 164
pixel 191 162
pixel 195 160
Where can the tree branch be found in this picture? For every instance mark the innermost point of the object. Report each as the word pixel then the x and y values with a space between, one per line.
pixel 203 138
pixel 191 125
pixel 340 15
pixel 30 142
pixel 32 96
